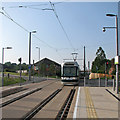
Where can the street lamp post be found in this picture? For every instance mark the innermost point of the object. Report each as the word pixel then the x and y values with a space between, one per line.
pixel 39 57
pixel 117 52
pixel 30 54
pixel 3 63
pixel 38 52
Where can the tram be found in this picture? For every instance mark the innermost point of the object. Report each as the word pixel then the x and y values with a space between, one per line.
pixel 70 73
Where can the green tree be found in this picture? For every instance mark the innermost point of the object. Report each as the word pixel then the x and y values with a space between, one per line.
pixel 100 54
pixel 98 65
pixel 8 67
pixel 24 66
pixel 13 67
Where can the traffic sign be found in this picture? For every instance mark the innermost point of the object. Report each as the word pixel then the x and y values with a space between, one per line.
pixel 20 59
pixel 29 67
pixel 117 60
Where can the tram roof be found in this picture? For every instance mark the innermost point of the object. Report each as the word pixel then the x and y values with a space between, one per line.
pixel 71 63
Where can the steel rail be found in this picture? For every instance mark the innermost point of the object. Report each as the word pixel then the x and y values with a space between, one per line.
pixel 19 97
pixel 23 95
pixel 37 108
pixel 66 106
pixel 11 92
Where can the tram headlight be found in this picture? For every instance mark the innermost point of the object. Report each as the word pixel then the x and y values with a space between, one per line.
pixel 73 78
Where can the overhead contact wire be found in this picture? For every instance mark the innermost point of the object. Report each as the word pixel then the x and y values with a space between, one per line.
pixel 53 7
pixel 9 17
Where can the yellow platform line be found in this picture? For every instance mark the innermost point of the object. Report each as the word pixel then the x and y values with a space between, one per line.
pixel 91 112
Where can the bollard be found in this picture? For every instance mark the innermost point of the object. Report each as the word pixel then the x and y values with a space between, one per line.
pixel 8 75
pixel 84 82
pixel 113 84
pixel 105 82
pixel 99 82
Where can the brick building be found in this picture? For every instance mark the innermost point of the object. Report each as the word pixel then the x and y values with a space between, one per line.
pixel 47 67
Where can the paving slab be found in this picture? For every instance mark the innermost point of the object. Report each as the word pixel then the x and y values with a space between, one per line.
pixel 96 102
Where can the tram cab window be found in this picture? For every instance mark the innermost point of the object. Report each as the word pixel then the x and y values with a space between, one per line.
pixel 70 71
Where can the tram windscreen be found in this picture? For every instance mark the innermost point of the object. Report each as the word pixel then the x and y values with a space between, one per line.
pixel 69 71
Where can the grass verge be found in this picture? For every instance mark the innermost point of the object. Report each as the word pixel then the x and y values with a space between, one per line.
pixel 13 73
pixel 11 80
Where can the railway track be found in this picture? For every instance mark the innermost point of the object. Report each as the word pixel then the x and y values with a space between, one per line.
pixel 59 106
pixel 25 94
pixel 11 91
pixel 47 101
pixel 19 97
pixel 63 111
pixel 37 108
pixel 66 106
pixel 22 108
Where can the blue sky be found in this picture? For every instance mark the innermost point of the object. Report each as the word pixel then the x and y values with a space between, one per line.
pixel 82 21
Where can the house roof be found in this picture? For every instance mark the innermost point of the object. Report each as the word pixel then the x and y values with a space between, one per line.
pixel 46 60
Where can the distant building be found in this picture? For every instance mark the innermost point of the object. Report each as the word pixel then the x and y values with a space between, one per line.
pixel 47 67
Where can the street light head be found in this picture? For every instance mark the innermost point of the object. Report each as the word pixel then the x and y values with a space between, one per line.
pixel 104 29
pixel 20 6
pixel 111 15
pixel 47 9
pixel 8 47
pixel 34 31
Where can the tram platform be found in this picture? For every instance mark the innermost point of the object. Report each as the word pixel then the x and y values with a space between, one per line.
pixel 96 102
